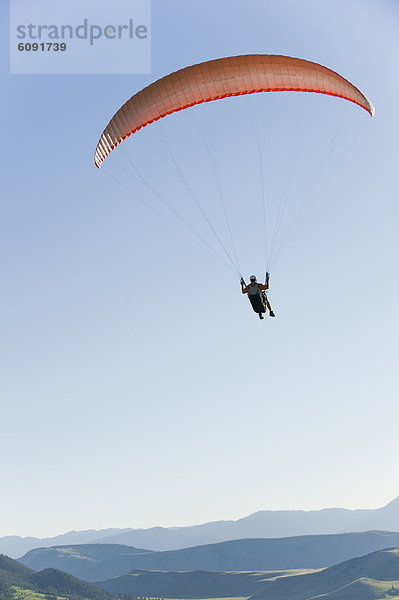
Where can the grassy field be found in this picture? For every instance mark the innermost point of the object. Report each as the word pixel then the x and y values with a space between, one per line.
pixel 21 594
pixel 387 589
pixel 364 588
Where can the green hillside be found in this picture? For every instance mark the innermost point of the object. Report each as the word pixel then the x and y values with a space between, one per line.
pixel 357 579
pixel 12 573
pixel 20 582
pixel 55 582
pixel 13 568
pixel 95 562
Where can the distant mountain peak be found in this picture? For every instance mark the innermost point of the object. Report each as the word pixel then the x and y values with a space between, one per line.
pixel 392 503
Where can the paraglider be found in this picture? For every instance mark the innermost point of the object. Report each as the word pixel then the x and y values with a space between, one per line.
pixel 256 293
pixel 214 80
pixel 220 78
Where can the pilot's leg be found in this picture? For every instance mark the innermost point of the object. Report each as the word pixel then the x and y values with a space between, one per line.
pixel 270 308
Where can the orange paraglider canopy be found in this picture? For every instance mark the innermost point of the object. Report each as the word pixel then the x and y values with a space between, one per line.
pixel 215 79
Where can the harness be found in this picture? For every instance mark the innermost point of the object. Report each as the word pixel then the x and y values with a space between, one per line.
pixel 259 292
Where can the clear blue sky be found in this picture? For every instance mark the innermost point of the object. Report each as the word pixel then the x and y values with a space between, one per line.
pixel 116 412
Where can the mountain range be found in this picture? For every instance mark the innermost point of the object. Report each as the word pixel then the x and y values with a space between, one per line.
pixel 262 524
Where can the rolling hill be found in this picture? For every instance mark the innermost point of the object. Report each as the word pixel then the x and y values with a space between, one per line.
pixel 87 561
pixel 188 584
pixel 96 562
pixel 375 575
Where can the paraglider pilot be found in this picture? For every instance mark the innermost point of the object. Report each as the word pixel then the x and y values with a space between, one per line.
pixel 257 295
